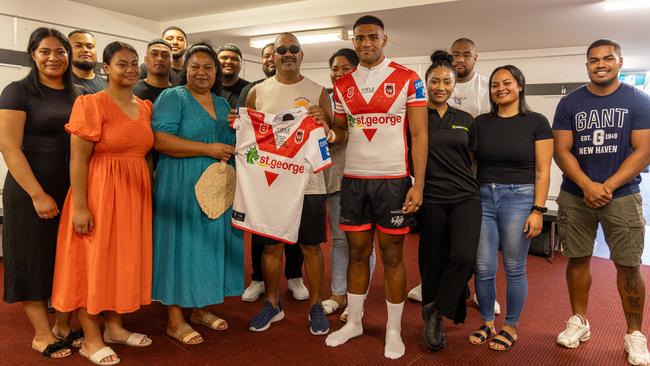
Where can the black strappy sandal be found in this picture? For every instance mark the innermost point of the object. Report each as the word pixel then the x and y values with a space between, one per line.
pixel 74 336
pixel 477 334
pixel 505 345
pixel 54 347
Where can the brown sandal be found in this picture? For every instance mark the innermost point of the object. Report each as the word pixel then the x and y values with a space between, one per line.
pixel 506 346
pixel 185 334
pixel 483 333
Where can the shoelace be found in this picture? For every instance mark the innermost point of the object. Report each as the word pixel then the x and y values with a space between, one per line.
pixel 573 328
pixel 266 311
pixel 318 313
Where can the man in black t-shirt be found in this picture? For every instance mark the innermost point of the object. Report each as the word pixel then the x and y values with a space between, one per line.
pixel 177 39
pixel 158 61
pixel 84 60
pixel 230 57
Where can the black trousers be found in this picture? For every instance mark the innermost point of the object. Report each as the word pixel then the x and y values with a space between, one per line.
pixel 292 254
pixel 449 235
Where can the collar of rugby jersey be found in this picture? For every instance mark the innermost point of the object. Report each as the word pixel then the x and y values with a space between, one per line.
pixel 378 67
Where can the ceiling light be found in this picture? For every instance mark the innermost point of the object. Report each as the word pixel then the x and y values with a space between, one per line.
pixel 304 37
pixel 611 5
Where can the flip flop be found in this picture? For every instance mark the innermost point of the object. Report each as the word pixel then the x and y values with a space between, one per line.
pixel 183 329
pixel 53 348
pixel 209 320
pixel 134 340
pixel 98 356
pixel 330 306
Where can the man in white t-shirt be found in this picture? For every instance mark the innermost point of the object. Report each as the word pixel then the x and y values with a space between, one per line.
pixel 472 92
pixel 289 89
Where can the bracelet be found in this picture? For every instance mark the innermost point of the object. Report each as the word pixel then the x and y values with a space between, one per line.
pixel 331 136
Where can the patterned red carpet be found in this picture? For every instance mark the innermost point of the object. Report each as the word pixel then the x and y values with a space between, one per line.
pixel 290 343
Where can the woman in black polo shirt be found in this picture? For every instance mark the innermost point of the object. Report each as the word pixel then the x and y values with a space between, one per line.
pixel 514 161
pixel 450 216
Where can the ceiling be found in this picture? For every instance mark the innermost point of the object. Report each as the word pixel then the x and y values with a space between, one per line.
pixel 415 30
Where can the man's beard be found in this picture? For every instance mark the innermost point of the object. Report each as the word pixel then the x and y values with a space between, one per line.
pixel 178 56
pixel 230 77
pixel 84 65
pixel 269 72
pixel 463 74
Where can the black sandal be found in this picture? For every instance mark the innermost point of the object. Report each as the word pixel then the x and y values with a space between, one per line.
pixel 505 345
pixel 73 336
pixel 55 347
pixel 477 334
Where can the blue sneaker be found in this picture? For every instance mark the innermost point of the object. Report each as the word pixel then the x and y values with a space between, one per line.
pixel 318 323
pixel 262 321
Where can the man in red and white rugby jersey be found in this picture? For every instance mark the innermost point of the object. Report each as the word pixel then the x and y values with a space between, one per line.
pixel 376 106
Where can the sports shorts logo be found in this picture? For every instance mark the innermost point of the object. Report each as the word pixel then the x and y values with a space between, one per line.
pixel 350 92
pixel 300 135
pixel 389 90
pixel 264 128
pixel 397 220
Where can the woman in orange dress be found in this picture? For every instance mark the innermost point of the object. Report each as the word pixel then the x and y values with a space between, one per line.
pixel 103 257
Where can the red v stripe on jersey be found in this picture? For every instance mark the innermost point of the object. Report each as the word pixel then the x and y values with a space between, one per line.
pixel 382 99
pixel 270 177
pixel 265 137
pixel 370 133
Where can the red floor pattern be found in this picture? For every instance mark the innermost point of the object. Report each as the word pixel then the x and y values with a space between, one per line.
pixel 290 343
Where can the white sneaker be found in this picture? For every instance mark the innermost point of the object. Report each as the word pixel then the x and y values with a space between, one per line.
pixel 253 291
pixel 577 332
pixel 298 288
pixel 636 346
pixel 497 307
pixel 416 293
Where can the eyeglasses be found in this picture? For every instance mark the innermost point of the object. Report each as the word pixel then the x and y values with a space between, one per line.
pixel 282 50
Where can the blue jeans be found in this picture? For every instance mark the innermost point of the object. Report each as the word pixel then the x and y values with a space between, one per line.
pixel 340 254
pixel 506 208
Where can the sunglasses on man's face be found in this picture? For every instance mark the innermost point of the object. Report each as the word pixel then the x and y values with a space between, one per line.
pixel 282 50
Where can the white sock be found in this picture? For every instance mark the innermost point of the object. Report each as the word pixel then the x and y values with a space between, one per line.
pixel 353 328
pixel 394 348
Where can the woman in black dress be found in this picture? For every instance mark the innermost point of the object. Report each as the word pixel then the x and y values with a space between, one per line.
pixel 35 147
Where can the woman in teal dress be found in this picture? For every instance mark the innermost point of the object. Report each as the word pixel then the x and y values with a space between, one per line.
pixel 197 261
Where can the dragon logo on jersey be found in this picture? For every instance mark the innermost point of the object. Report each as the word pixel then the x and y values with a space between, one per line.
pixel 351 120
pixel 300 135
pixel 252 155
pixel 264 128
pixel 350 92
pixel 389 90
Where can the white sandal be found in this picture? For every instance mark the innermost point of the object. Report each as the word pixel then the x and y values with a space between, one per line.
pixel 330 306
pixel 98 356
pixel 134 340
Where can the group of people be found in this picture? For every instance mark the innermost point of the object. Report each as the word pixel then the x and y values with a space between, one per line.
pixel 100 213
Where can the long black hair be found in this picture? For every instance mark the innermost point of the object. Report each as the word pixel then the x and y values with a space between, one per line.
pixel 206 48
pixel 440 58
pixel 521 81
pixel 33 79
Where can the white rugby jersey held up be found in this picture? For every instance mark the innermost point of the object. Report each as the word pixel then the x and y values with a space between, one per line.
pixel 374 103
pixel 275 153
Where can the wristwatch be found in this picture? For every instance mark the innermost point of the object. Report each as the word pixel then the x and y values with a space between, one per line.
pixel 539 209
